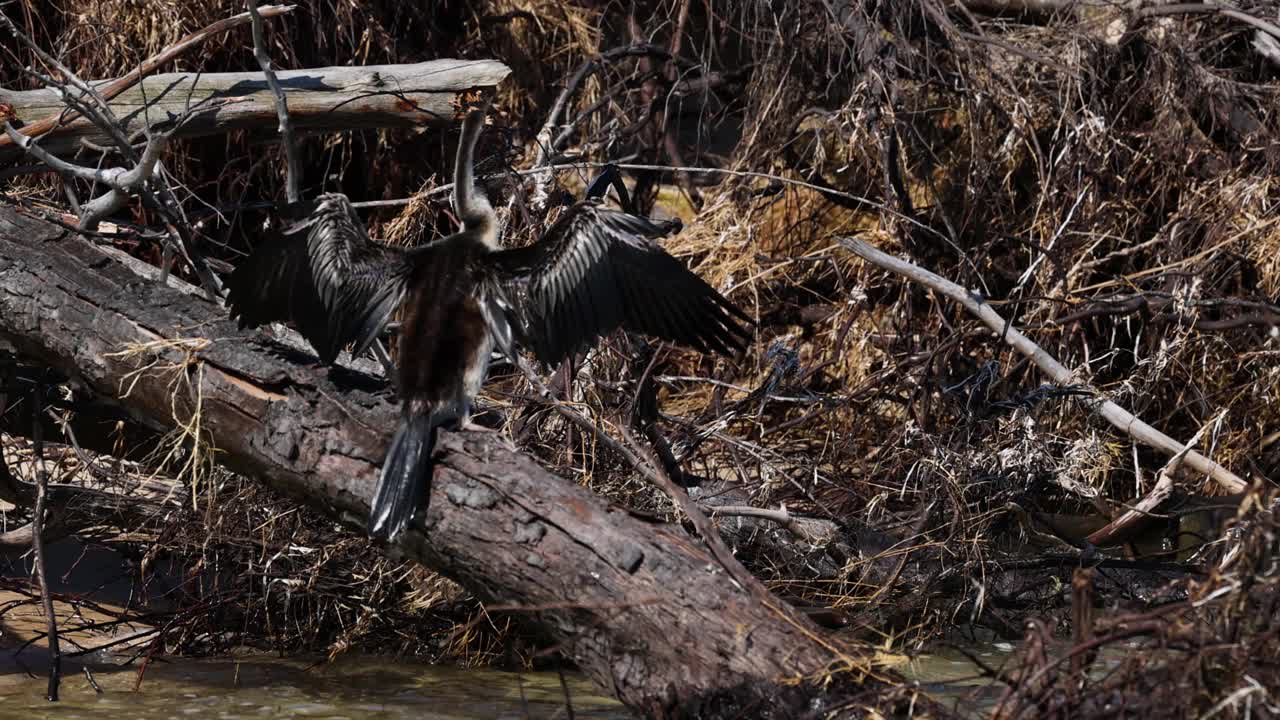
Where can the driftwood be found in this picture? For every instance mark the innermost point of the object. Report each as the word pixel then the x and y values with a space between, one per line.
pixel 639 606
pixel 320 99
pixel 146 67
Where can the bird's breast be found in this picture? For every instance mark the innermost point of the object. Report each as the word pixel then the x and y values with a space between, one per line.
pixel 444 341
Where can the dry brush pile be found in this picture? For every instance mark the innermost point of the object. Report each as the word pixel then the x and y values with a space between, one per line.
pixel 1104 176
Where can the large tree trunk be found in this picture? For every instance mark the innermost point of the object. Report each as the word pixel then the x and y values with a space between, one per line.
pixel 332 98
pixel 640 606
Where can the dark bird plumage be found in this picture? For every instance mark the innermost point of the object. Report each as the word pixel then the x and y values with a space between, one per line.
pixel 323 274
pixel 598 270
pixel 594 271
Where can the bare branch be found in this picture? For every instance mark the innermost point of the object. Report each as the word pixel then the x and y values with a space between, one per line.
pixel 1269 28
pixel 105 176
pixel 122 183
pixel 1113 413
pixel 282 105
pixel 99 111
pixel 1267 46
pixel 810 530
pixel 547 147
pixel 126 181
pixel 322 99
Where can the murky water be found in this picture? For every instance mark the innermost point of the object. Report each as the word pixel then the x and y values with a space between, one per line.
pixel 256 685
pixel 954 680
pixel 352 687
pixel 359 687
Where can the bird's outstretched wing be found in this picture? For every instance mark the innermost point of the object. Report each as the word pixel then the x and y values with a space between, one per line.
pixel 597 270
pixel 325 275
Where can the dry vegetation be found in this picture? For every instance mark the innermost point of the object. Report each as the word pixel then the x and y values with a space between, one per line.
pixel 1106 178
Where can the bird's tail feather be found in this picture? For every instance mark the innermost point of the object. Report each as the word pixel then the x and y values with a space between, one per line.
pixel 405 481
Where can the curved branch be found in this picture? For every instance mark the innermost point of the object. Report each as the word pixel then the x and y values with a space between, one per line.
pixel 1269 28
pixel 1113 413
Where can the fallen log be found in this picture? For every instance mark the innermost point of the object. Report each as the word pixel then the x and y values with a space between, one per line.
pixel 641 607
pixel 320 99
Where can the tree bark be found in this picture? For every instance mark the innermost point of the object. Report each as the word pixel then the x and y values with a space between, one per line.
pixel 640 606
pixel 320 99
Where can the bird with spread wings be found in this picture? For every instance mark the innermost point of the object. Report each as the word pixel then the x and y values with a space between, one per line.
pixel 594 271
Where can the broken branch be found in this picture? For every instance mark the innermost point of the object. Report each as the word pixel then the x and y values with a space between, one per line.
pixel 1152 500
pixel 802 528
pixel 122 182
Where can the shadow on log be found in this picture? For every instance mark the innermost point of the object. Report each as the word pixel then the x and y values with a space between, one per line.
pixel 641 607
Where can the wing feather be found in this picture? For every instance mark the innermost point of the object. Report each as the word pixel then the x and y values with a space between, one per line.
pixel 598 270
pixel 323 274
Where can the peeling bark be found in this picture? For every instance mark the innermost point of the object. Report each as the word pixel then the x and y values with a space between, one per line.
pixel 640 606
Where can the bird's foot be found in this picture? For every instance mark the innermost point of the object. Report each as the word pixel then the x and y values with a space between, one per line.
pixel 388 367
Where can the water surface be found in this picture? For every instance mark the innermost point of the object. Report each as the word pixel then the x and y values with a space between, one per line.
pixel 351 687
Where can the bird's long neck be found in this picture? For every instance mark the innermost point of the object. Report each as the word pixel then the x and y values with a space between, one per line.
pixel 470 203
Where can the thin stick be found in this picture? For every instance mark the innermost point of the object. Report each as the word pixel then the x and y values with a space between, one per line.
pixel 88 675
pixel 282 104
pixel 148 66
pixel 783 517
pixel 584 165
pixel 37 540
pixel 110 177
pixel 1113 413
pixel 564 687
